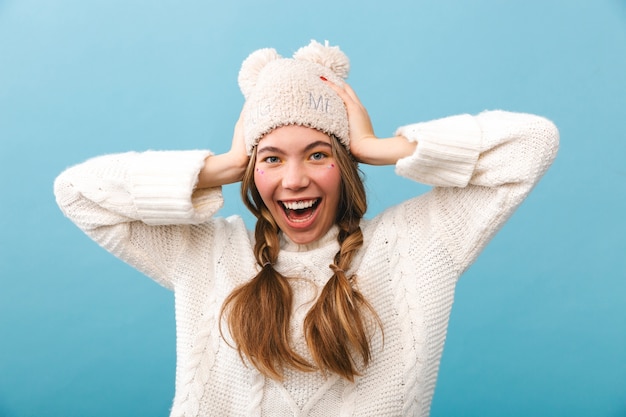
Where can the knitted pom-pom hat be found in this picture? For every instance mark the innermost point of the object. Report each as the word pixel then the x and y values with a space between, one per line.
pixel 289 91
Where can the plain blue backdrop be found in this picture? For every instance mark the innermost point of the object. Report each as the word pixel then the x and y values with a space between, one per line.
pixel 539 323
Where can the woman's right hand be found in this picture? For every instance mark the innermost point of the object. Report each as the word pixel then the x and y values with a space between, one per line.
pixel 229 167
pixel 238 146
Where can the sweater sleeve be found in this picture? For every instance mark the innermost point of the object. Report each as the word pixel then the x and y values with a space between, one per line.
pixel 482 167
pixel 139 206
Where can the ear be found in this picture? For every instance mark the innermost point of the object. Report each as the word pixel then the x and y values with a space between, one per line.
pixel 252 66
pixel 325 55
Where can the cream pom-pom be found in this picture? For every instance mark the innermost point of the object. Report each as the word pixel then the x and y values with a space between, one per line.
pixel 328 56
pixel 252 66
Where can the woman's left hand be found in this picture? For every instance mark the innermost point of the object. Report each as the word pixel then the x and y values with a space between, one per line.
pixel 361 130
pixel 364 145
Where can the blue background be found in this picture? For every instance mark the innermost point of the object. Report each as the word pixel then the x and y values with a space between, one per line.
pixel 539 323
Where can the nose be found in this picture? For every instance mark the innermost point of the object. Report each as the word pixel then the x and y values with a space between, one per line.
pixel 295 177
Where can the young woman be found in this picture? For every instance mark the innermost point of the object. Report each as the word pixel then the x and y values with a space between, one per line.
pixel 318 312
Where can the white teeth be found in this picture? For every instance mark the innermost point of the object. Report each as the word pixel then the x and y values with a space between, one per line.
pixel 299 205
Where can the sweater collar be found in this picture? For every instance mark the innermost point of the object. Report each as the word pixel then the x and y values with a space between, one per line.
pixel 288 245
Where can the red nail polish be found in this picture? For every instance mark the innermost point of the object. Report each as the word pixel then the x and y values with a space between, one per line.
pixel 323 78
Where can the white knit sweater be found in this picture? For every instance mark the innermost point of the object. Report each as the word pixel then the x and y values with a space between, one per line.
pixel 142 208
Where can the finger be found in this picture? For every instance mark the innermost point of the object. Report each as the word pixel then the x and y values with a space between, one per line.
pixel 351 93
pixel 341 92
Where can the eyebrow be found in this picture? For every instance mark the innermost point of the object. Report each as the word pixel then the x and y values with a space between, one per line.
pixel 274 149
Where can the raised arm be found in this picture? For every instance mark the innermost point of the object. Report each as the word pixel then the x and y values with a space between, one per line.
pixel 139 206
pixel 482 167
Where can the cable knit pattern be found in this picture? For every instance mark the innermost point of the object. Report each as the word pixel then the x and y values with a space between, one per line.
pixel 409 314
pixel 143 208
pixel 256 394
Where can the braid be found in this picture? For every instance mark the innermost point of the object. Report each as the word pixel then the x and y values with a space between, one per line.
pixel 265 341
pixel 337 328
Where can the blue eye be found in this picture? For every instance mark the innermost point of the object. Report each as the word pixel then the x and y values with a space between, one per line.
pixel 318 156
pixel 272 160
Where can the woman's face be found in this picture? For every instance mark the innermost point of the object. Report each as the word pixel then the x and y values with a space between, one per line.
pixel 299 181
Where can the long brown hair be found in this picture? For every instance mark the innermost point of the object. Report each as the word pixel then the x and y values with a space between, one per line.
pixel 337 328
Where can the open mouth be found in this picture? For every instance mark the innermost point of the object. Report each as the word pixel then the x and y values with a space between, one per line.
pixel 300 211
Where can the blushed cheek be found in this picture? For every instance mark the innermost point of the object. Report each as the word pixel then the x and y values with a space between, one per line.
pixel 260 178
pixel 261 182
pixel 329 176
